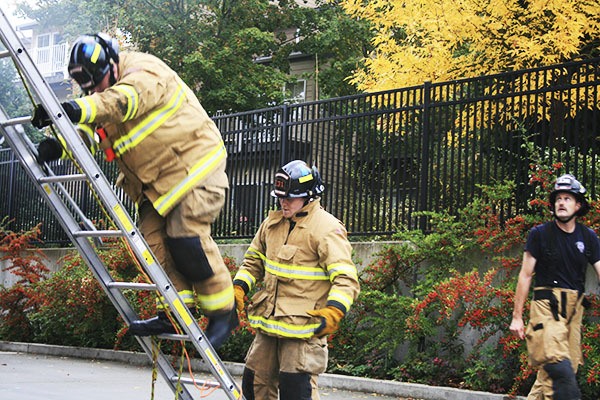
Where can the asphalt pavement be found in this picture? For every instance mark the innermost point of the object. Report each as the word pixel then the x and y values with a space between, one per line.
pixel 33 376
pixel 36 371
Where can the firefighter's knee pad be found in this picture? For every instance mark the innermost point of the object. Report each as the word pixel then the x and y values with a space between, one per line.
pixel 294 386
pixel 190 259
pixel 248 384
pixel 564 382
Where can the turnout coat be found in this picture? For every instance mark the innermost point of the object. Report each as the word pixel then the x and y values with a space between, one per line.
pixel 301 269
pixel 164 141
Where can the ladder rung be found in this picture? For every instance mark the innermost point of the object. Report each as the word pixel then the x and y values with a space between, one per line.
pixel 105 233
pixel 4 53
pixel 191 381
pixel 16 121
pixel 62 178
pixel 174 337
pixel 131 285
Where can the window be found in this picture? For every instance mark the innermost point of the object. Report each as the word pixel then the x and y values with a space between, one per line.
pixel 296 92
pixel 43 40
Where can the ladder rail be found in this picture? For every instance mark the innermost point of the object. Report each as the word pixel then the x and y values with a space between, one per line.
pixel 83 245
pixel 14 134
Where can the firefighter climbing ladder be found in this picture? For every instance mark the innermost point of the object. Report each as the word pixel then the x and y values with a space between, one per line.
pixel 85 239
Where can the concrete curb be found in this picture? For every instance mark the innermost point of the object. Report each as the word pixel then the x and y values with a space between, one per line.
pixel 341 382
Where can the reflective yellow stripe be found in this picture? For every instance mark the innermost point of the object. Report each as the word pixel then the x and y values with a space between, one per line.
pixel 206 165
pixel 252 253
pixel 283 329
pixel 186 295
pixel 149 124
pixel 246 277
pixel 96 53
pixel 292 271
pixel 341 269
pixel 296 271
pixel 305 178
pixel 89 132
pixel 340 297
pixel 217 301
pixel 133 100
pixel 88 109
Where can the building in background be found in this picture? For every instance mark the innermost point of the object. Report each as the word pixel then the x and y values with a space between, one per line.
pixel 50 52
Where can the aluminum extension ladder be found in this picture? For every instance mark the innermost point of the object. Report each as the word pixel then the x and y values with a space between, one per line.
pixel 72 219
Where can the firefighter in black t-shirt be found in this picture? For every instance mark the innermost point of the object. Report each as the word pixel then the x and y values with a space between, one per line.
pixel 557 253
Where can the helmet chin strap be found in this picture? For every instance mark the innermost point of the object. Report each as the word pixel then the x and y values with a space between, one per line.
pixel 565 220
pixel 112 79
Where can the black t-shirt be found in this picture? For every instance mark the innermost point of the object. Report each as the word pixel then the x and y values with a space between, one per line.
pixel 562 258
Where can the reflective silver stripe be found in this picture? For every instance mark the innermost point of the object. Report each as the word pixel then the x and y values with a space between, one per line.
pixel 149 124
pixel 310 273
pixel 199 171
pixel 246 277
pixel 342 269
pixel 340 297
pixel 283 329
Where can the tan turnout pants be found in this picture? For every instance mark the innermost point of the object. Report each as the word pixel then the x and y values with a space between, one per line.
pixel 193 216
pixel 551 341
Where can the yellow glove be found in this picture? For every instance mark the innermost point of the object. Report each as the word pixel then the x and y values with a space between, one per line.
pixel 239 294
pixel 330 320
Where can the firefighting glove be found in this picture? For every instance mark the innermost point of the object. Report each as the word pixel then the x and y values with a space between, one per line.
pixel 239 294
pixel 330 320
pixel 41 118
pixel 49 150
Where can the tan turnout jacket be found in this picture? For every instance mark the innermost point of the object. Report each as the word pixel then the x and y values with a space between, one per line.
pixel 306 268
pixel 164 141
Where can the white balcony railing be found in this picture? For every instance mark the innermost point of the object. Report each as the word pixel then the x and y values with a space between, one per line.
pixel 52 60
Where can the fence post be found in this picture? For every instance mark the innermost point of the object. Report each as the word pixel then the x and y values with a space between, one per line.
pixel 424 175
pixel 284 134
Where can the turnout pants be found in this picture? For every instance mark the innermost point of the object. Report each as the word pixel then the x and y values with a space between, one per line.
pixel 553 338
pixel 183 245
pixel 285 369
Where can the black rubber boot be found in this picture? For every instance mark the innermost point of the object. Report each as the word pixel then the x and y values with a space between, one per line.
pixel 154 326
pixel 220 326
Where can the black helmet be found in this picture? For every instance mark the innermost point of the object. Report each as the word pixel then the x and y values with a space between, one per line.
pixel 297 179
pixel 568 184
pixel 90 59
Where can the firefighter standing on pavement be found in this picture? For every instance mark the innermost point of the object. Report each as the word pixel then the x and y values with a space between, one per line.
pixel 302 256
pixel 557 253
pixel 172 165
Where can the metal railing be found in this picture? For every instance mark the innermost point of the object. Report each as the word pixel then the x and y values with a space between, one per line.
pixel 386 155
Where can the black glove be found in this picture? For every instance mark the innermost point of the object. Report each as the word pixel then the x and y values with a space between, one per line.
pixel 40 117
pixel 49 150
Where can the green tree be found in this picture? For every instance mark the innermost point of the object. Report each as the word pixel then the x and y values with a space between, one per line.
pixel 214 44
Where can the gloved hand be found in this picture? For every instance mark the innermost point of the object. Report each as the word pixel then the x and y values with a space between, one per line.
pixel 239 294
pixel 40 117
pixel 330 320
pixel 49 150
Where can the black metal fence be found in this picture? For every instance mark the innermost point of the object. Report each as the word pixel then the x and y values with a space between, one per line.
pixel 384 156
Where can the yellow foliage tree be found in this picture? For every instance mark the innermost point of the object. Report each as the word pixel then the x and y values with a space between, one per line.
pixel 441 40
